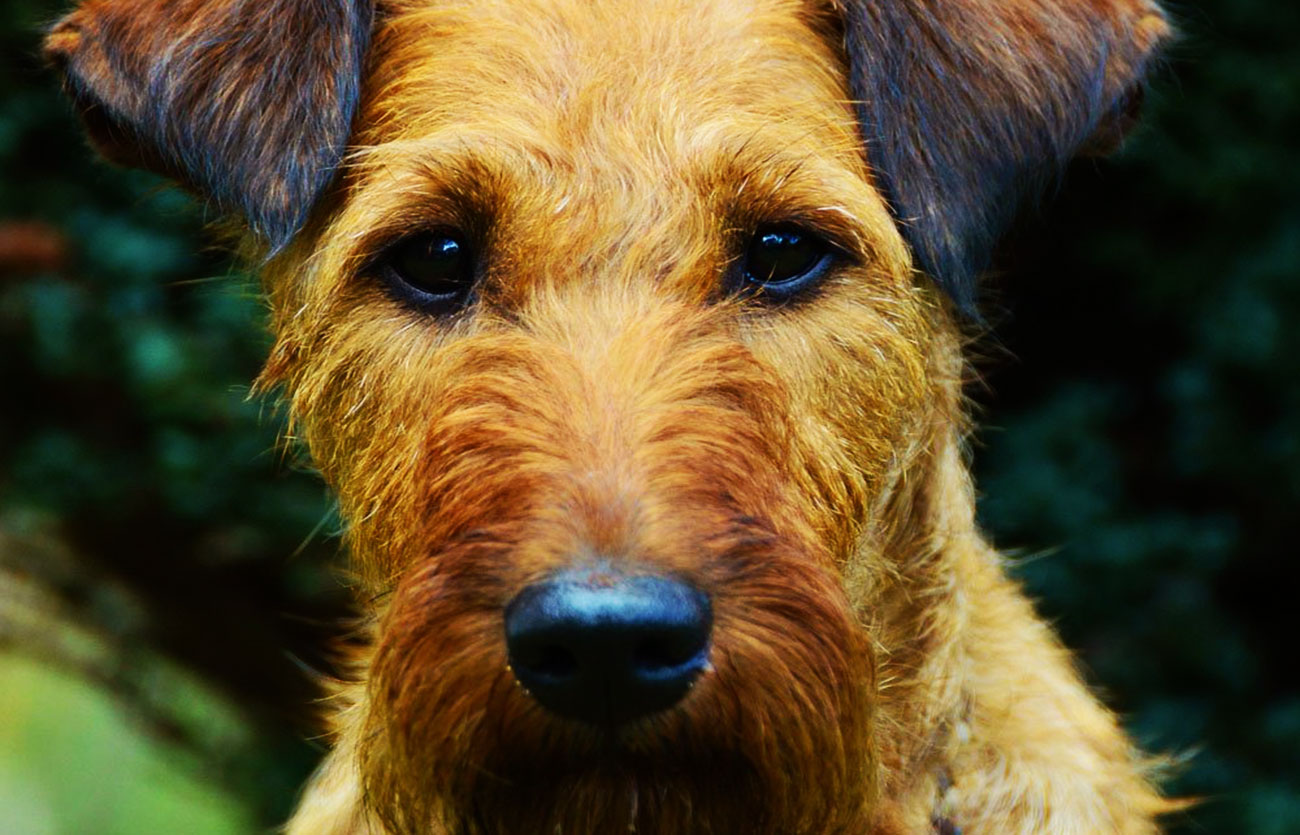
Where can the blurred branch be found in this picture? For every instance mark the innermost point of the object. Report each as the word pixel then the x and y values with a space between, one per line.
pixel 56 610
pixel 31 247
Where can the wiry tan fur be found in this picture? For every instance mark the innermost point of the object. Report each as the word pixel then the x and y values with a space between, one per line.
pixel 873 669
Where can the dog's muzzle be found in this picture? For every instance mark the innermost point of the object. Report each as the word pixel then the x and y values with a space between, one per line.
pixel 605 647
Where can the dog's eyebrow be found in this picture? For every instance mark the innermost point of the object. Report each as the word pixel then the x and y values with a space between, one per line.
pixel 452 146
pixel 406 185
pixel 750 188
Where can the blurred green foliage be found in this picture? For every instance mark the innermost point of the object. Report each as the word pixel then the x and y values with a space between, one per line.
pixel 1143 423
pixel 70 762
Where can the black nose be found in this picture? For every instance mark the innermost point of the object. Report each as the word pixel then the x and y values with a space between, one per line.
pixel 604 647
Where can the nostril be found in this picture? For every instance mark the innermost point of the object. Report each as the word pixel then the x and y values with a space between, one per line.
pixel 665 653
pixel 550 662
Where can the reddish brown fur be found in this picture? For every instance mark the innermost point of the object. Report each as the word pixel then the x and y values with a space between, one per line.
pixel 872 670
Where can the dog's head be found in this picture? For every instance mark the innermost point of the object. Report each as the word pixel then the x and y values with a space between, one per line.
pixel 626 334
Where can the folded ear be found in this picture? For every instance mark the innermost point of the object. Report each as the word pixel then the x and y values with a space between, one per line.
pixel 967 105
pixel 248 102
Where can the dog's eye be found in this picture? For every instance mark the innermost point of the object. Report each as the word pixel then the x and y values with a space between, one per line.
pixel 433 270
pixel 783 259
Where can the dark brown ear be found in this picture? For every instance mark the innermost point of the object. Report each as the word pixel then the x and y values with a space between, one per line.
pixel 968 105
pixel 248 102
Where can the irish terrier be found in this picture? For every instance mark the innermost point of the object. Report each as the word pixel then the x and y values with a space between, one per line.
pixel 629 335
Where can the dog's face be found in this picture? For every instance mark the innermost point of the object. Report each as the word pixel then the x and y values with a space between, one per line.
pixel 614 289
pixel 610 376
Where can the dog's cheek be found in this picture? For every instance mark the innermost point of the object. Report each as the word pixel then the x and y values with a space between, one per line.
pixel 409 421
pixel 785 634
pixel 858 364
pixel 439 668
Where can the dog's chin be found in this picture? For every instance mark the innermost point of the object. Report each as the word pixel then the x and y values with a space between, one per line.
pixel 618 792
pixel 669 774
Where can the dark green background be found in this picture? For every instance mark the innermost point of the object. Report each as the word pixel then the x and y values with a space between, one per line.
pixel 1140 452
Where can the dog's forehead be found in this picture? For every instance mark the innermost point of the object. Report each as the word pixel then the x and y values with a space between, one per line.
pixel 611 79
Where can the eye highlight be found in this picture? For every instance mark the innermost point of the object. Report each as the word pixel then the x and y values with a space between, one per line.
pixel 432 270
pixel 783 259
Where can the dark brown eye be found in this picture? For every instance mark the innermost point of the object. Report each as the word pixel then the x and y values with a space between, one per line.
pixel 784 259
pixel 433 270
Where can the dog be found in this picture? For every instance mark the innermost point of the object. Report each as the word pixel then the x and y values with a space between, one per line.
pixel 629 336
